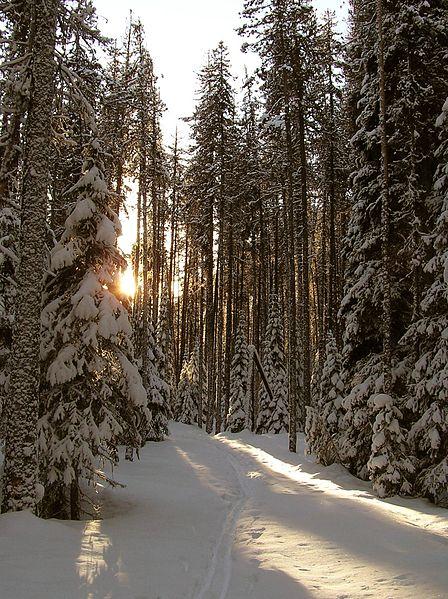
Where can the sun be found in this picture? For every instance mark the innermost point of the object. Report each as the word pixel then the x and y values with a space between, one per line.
pixel 176 288
pixel 127 282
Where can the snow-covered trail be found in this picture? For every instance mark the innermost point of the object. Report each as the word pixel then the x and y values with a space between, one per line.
pixel 309 531
pixel 230 517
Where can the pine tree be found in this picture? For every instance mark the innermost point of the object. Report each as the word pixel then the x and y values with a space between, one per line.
pixel 273 414
pixel 210 177
pixel 92 393
pixel 236 418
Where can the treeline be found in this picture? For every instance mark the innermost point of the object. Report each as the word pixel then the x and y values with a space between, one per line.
pixel 290 265
pixel 313 233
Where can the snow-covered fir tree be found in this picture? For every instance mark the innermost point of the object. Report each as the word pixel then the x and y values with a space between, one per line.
pixel 188 391
pixel 428 398
pixel 407 74
pixel 156 428
pixel 390 466
pixel 236 417
pixel 92 392
pixel 165 364
pixel 187 409
pixel 324 420
pixel 273 414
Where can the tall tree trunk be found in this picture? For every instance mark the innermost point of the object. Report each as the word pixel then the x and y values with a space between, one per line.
pixel 229 321
pixel 305 291
pixel 20 475
pixel 292 307
pixel 209 316
pixel 385 209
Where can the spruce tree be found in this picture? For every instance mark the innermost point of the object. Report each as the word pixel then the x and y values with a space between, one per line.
pixel 273 414
pixel 165 364
pixel 92 393
pixel 156 428
pixel 188 396
pixel 187 408
pixel 324 420
pixel 429 393
pixel 390 465
pixel 390 208
pixel 236 418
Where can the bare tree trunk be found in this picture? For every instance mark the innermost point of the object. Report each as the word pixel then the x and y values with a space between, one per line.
pixel 209 317
pixel 292 307
pixel 385 210
pixel 306 337
pixel 229 322
pixel 201 351
pixel 20 474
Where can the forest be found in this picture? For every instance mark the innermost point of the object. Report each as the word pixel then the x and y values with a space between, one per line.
pixel 278 329
pixel 290 271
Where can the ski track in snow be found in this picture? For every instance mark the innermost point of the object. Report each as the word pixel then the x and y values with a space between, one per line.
pixel 223 548
pixel 234 516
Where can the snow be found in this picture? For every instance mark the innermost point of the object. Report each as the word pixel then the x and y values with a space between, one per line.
pixel 230 517
pixel 380 400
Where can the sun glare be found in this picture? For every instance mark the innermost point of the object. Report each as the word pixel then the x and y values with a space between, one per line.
pixel 127 282
pixel 176 288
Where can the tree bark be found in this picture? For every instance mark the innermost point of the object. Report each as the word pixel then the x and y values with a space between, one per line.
pixel 20 476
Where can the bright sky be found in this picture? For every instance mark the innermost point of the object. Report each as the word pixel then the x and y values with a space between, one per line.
pixel 179 35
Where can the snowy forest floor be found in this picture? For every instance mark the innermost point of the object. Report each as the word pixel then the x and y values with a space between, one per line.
pixel 230 517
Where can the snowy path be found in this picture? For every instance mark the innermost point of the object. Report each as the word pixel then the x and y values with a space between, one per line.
pixel 230 517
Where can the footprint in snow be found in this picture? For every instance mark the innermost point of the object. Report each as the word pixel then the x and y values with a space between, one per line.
pixel 256 534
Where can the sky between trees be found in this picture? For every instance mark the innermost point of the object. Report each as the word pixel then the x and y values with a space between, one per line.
pixel 179 35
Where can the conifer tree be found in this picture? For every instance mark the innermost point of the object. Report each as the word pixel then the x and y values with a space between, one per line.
pixel 324 420
pixel 92 393
pixel 273 414
pixel 14 100
pixel 156 427
pixel 390 466
pixel 236 418
pixel 283 32
pixel 116 115
pixel 189 389
pixel 213 152
pixel 429 394
pixel 165 365
pixel 186 401
pixel 78 86
pixel 390 199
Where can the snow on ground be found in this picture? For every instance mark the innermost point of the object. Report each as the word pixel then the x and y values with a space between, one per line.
pixel 230 517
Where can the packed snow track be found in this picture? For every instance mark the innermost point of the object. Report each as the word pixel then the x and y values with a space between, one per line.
pixel 230 517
